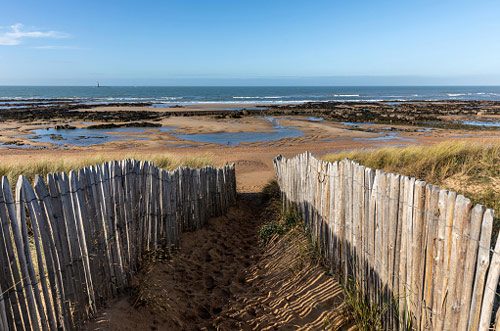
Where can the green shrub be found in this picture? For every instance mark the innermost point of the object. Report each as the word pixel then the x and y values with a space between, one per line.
pixel 268 230
pixel 278 226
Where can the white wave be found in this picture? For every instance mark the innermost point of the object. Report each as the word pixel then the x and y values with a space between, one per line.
pixel 172 98
pixel 40 98
pixel 257 97
pixel 253 102
pixel 124 98
pixel 346 95
pixel 364 100
pixel 455 94
pixel 245 102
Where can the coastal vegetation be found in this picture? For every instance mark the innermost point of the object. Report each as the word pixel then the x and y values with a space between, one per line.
pixel 277 221
pixel 30 168
pixel 469 168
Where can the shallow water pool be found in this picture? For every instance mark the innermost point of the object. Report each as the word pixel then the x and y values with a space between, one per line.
pixel 386 137
pixel 482 123
pixel 236 138
pixel 315 119
pixel 83 137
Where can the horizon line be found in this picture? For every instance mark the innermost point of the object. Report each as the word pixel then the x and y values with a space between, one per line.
pixel 252 85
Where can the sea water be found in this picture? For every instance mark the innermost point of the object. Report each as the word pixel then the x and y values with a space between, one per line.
pixel 16 96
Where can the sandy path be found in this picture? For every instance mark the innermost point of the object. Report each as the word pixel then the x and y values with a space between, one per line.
pixel 286 290
pixel 222 278
pixel 189 290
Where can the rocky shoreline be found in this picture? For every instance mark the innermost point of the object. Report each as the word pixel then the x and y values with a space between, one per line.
pixel 428 113
pixel 407 112
pixel 77 111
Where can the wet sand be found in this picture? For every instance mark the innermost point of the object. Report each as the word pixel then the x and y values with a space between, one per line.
pixel 414 112
pixel 253 160
pixel 322 134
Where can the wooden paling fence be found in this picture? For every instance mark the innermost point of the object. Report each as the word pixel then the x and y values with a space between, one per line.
pixel 72 242
pixel 422 253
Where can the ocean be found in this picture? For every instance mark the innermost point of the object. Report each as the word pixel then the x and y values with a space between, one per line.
pixel 168 95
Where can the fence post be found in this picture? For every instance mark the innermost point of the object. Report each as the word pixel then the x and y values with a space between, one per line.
pixel 400 239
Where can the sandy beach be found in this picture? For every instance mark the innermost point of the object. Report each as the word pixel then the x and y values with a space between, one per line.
pixel 253 138
pixel 249 165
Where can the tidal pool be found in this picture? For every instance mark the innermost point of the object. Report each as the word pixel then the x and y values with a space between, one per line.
pixel 83 137
pixel 236 138
pixel 356 123
pixel 482 123
pixel 386 137
pixel 315 119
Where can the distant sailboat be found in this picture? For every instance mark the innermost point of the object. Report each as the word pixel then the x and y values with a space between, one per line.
pixel 98 84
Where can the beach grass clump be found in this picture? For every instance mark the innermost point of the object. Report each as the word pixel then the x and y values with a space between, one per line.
pixel 366 315
pixel 277 220
pixel 469 168
pixel 287 221
pixel 12 169
pixel 433 163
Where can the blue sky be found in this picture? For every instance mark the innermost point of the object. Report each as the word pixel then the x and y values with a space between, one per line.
pixel 252 42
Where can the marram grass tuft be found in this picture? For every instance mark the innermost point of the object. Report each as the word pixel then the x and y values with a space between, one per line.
pixel 469 168
pixel 13 169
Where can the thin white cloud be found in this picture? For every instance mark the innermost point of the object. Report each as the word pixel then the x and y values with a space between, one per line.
pixel 16 33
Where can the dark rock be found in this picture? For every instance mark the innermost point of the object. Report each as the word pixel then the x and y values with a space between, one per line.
pixel 64 127
pixel 125 125
pixel 56 137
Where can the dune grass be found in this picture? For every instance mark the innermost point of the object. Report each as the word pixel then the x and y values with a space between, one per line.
pixel 13 169
pixel 471 169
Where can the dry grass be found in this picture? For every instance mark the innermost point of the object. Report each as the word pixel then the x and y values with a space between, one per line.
pixel 13 169
pixel 471 169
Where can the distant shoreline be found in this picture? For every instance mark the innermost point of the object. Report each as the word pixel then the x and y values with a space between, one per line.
pixel 442 113
pixel 29 104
